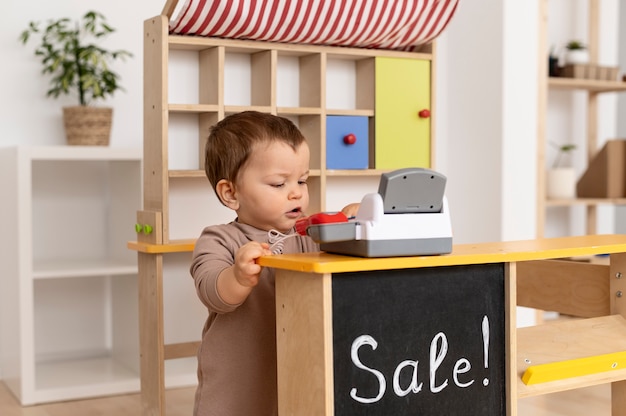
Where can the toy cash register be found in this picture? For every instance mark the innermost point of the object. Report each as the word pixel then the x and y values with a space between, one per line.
pixel 407 217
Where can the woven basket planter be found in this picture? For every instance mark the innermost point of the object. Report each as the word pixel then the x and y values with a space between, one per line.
pixel 87 126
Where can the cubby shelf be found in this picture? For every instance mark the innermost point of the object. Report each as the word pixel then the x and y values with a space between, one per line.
pixel 305 83
pixel 68 296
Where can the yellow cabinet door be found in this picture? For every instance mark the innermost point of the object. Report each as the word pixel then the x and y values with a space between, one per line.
pixel 402 127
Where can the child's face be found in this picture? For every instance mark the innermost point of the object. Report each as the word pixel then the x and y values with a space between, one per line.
pixel 271 189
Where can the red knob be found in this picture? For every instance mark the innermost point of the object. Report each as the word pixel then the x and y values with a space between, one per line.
pixel 425 113
pixel 349 139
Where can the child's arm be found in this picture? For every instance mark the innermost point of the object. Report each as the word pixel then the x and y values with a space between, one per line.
pixel 235 283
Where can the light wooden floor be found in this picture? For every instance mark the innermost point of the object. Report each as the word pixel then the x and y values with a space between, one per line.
pixel 179 402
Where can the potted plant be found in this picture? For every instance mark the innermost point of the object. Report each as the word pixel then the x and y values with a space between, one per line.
pixel 576 53
pixel 77 65
pixel 561 181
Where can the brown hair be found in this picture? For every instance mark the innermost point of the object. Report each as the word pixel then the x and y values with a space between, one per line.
pixel 232 140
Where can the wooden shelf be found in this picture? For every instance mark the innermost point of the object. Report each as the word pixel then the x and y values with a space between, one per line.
pixel 585 201
pixel 570 340
pixel 193 108
pixel 79 153
pixel 365 113
pixel 299 111
pixel 197 43
pixel 78 267
pixel 590 85
pixel 355 172
pixel 174 246
pixel 200 174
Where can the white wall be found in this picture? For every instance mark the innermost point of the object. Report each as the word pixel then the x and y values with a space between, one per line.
pixel 26 115
pixel 486 132
pixel 620 212
pixel 486 112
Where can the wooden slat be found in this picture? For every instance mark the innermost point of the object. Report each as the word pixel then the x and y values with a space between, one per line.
pixel 155 119
pixel 152 366
pixel 174 246
pixel 510 327
pixel 617 280
pixel 181 350
pixel 569 287
pixel 303 312
pixel 168 8
pixel 591 85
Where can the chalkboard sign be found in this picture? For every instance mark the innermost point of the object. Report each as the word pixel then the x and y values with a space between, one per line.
pixel 425 341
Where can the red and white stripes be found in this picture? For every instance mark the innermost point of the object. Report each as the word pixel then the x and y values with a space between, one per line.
pixel 381 24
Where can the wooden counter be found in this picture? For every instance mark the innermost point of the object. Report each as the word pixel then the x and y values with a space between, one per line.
pixel 311 370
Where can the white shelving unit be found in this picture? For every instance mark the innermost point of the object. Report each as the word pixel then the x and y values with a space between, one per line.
pixel 68 284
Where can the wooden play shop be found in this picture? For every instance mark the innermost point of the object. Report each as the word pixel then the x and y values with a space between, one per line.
pixel 375 87
pixel 423 335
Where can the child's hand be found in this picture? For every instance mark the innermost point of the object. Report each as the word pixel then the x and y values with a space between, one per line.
pixel 350 210
pixel 235 283
pixel 245 269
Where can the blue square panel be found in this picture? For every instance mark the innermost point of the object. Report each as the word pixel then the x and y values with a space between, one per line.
pixel 347 142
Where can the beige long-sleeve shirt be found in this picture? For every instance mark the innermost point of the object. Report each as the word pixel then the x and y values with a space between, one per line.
pixel 237 356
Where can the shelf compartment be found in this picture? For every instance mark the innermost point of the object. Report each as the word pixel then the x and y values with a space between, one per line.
pixel 70 291
pixel 83 378
pixel 350 82
pixel 300 78
pixel 570 340
pixel 247 79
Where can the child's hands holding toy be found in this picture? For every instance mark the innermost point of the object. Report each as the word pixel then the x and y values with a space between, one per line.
pixel 246 269
pixel 350 210
pixel 236 282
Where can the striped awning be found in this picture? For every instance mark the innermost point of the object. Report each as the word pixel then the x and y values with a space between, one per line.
pixel 380 24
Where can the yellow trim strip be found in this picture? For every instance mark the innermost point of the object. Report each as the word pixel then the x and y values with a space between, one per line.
pixel 579 367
